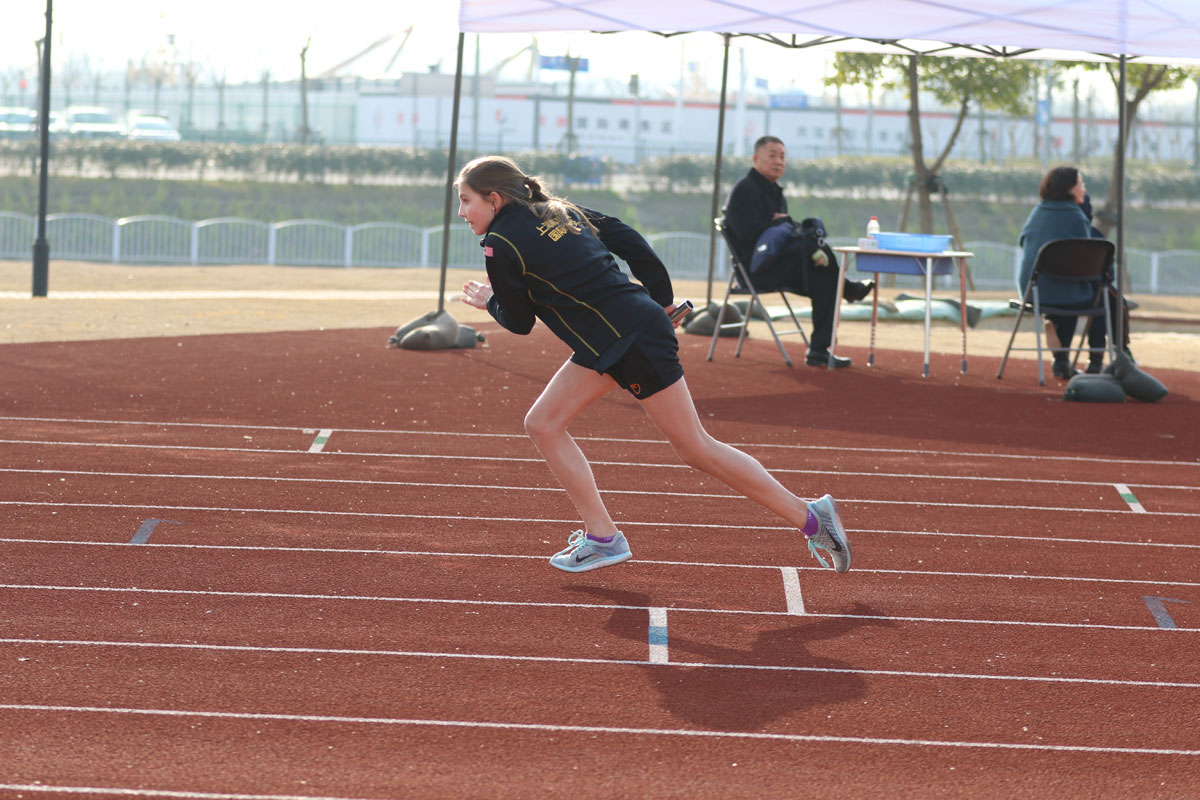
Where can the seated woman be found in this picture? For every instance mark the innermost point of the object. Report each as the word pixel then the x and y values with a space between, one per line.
pixel 1060 216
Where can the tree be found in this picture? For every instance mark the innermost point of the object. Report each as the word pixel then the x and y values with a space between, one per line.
pixel 1140 81
pixel 191 76
pixel 71 73
pixel 157 71
pixel 219 80
pixel 305 131
pixel 993 84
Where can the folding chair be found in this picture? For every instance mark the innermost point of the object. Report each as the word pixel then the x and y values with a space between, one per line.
pixel 1067 258
pixel 740 284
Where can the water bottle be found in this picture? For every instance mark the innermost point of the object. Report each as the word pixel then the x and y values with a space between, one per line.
pixel 873 227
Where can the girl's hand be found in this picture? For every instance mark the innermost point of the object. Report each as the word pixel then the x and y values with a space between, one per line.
pixel 671 310
pixel 476 294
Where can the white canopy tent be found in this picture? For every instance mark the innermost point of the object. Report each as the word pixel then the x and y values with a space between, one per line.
pixel 1155 31
pixel 1162 29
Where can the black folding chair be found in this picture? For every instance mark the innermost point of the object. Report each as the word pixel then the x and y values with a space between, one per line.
pixel 740 284
pixel 1078 259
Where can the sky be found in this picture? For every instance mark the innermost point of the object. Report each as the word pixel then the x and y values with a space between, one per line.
pixel 243 39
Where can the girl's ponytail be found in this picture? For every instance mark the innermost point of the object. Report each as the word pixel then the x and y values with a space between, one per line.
pixel 488 174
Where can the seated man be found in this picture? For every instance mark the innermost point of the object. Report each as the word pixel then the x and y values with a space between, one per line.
pixel 755 203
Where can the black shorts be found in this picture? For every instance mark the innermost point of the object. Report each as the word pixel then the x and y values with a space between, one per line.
pixel 651 363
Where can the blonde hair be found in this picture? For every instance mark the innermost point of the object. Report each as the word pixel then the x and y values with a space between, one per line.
pixel 488 174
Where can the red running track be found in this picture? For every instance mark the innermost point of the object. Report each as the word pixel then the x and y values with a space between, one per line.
pixel 304 565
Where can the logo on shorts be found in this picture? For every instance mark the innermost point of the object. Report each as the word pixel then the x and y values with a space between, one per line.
pixel 636 388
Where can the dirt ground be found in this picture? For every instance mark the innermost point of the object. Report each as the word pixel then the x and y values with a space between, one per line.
pixel 106 301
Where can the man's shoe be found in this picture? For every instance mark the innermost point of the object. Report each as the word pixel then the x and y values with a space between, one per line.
pixel 855 291
pixel 830 536
pixel 1064 370
pixel 582 554
pixel 820 358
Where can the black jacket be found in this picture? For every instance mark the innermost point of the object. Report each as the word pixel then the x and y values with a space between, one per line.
pixel 572 283
pixel 752 202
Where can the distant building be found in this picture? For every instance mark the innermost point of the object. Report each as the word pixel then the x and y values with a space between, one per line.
pixel 415 110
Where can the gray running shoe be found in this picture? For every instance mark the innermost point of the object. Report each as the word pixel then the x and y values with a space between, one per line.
pixel 582 554
pixel 831 536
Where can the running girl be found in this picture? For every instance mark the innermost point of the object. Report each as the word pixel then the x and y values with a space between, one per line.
pixel 548 259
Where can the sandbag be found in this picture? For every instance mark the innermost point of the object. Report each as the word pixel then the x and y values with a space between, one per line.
pixel 757 312
pixel 974 313
pixel 1137 384
pixel 1098 388
pixel 702 323
pixel 437 330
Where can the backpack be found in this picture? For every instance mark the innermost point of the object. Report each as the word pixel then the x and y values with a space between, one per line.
pixel 786 251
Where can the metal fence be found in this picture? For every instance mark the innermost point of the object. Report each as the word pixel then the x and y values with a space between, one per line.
pixel 312 242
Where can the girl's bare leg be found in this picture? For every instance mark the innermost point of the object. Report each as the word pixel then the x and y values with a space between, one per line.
pixel 572 389
pixel 673 411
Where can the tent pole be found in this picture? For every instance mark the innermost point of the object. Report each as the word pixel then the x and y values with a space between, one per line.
pixel 716 195
pixel 1122 125
pixel 451 158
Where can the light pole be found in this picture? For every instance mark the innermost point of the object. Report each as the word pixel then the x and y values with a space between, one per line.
pixel 1196 128
pixel 41 246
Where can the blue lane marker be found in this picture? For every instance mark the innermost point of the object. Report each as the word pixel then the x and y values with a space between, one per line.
pixel 658 636
pixel 1159 611
pixel 143 533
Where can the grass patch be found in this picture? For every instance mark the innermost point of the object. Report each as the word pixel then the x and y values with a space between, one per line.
pixel 422 205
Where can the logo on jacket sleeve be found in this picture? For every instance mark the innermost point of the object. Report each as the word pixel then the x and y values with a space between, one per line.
pixel 487 251
pixel 552 229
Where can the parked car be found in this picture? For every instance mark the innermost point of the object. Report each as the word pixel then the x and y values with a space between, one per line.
pixel 17 123
pixel 151 127
pixel 89 122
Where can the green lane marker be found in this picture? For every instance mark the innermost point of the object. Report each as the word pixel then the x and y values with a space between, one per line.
pixel 319 443
pixel 1128 497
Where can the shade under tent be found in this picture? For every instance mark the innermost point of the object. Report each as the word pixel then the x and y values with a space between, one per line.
pixel 1151 31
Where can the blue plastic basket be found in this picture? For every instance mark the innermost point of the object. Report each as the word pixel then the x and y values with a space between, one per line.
pixel 913 242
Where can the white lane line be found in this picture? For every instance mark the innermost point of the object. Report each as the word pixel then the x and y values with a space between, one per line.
pixel 322 439
pixel 791 590
pixel 271 450
pixel 540 461
pixel 726 495
pixel 789 573
pixel 621 440
pixel 1019 538
pixel 523 460
pixel 119 791
pixel 591 729
pixel 546 604
pixel 1129 498
pixel 459 655
pixel 1004 576
pixel 389 515
pixel 340 295
pixel 659 653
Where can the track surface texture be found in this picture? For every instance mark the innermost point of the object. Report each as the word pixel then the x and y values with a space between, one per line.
pixel 303 565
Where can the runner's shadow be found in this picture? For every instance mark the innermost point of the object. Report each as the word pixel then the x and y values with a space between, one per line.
pixel 746 689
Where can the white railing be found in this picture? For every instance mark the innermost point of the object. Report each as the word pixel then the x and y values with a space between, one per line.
pixel 150 239
pixel 310 242
pixel 17 232
pixel 231 240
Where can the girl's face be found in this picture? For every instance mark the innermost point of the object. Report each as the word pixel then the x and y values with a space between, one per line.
pixel 1079 191
pixel 476 209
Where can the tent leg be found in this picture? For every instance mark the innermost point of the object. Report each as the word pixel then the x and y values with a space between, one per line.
pixel 716 194
pixel 41 246
pixel 439 330
pixel 452 157
pixel 1122 132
